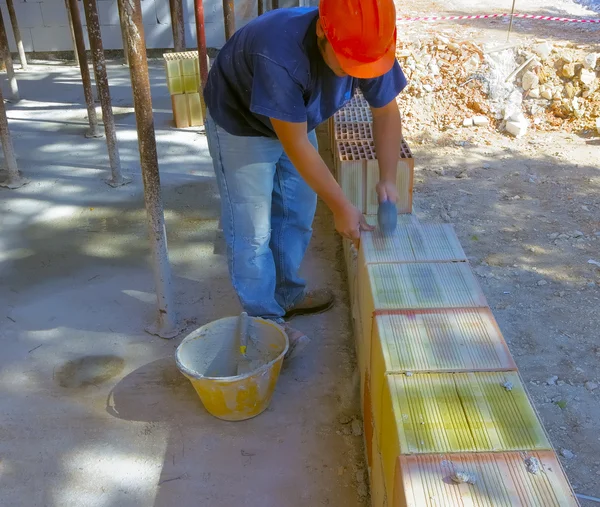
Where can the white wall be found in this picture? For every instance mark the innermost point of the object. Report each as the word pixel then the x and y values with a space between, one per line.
pixel 44 23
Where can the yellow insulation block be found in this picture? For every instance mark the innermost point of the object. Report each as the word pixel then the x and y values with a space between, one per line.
pixel 435 341
pixel 389 287
pixel 378 492
pixel 500 480
pixel 191 84
pixel 441 340
pixel 172 68
pixel 175 85
pixel 458 412
pixel 195 109
pixel 499 419
pixel 413 242
pixel 180 111
pixel 435 242
pixel 189 64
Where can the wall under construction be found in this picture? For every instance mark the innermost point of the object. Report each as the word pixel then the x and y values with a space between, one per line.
pixel 447 420
pixel 45 27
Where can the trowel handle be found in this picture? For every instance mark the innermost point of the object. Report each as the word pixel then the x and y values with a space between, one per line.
pixel 243 332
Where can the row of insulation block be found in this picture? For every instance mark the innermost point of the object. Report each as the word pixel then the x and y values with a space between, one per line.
pixel 447 419
pixel 355 159
pixel 183 81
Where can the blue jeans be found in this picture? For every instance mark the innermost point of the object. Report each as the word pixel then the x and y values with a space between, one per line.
pixel 267 211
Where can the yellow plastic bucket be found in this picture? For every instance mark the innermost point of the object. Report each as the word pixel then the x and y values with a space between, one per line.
pixel 207 357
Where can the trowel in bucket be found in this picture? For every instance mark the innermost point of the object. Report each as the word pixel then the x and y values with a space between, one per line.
pixel 244 363
pixel 387 217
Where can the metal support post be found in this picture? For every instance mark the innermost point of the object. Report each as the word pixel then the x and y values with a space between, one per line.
pixel 14 180
pixel 274 4
pixel 17 33
pixel 81 58
pixel 166 325
pixel 260 7
pixel 229 17
pixel 123 37
pixel 7 58
pixel 75 52
pixel 201 36
pixel 177 25
pixel 93 24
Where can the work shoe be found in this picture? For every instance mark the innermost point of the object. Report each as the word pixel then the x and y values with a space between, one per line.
pixel 297 341
pixel 314 301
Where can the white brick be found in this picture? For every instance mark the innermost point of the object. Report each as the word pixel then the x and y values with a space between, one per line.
pixel 188 11
pixel 51 39
pixel 163 12
pixel 108 12
pixel 158 36
pixel 25 34
pixel 215 35
pixel 54 14
pixel 111 36
pixel 29 15
pixel 148 12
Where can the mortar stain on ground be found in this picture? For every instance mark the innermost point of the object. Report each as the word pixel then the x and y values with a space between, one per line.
pixel 89 371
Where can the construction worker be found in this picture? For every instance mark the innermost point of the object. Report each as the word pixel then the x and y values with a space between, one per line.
pixel 271 85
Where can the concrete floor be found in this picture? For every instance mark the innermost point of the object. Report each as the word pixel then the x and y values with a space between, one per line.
pixel 93 410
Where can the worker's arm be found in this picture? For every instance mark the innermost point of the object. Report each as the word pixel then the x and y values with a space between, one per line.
pixel 387 134
pixel 349 220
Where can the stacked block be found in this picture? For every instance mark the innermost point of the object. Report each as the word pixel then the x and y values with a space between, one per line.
pixel 447 420
pixel 355 160
pixel 183 80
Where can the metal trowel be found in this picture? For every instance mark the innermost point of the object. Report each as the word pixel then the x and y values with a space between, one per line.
pixel 244 363
pixel 387 217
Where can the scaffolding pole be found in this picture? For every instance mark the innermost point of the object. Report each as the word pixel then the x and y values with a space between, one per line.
pixel 123 37
pixel 8 62
pixel 93 23
pixel 274 4
pixel 260 7
pixel 17 33
pixel 201 36
pixel 229 17
pixel 166 325
pixel 75 52
pixel 81 58
pixel 14 180
pixel 177 25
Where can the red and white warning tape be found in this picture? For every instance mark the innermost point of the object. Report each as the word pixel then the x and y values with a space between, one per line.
pixel 504 15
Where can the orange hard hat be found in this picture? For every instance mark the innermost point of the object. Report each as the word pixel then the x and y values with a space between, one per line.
pixel 362 34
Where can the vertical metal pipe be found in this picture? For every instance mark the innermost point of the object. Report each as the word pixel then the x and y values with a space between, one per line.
pixel 274 4
pixel 512 16
pixel 15 180
pixel 260 7
pixel 177 25
pixel 201 36
pixel 75 52
pixel 17 33
pixel 123 37
pixel 94 131
pixel 8 62
pixel 166 325
pixel 93 24
pixel 229 17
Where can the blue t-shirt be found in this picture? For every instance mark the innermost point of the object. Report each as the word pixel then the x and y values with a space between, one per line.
pixel 272 68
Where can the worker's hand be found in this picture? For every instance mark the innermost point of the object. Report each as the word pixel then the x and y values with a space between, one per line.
pixel 349 222
pixel 386 191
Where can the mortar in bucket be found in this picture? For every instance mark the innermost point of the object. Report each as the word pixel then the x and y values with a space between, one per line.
pixel 209 357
